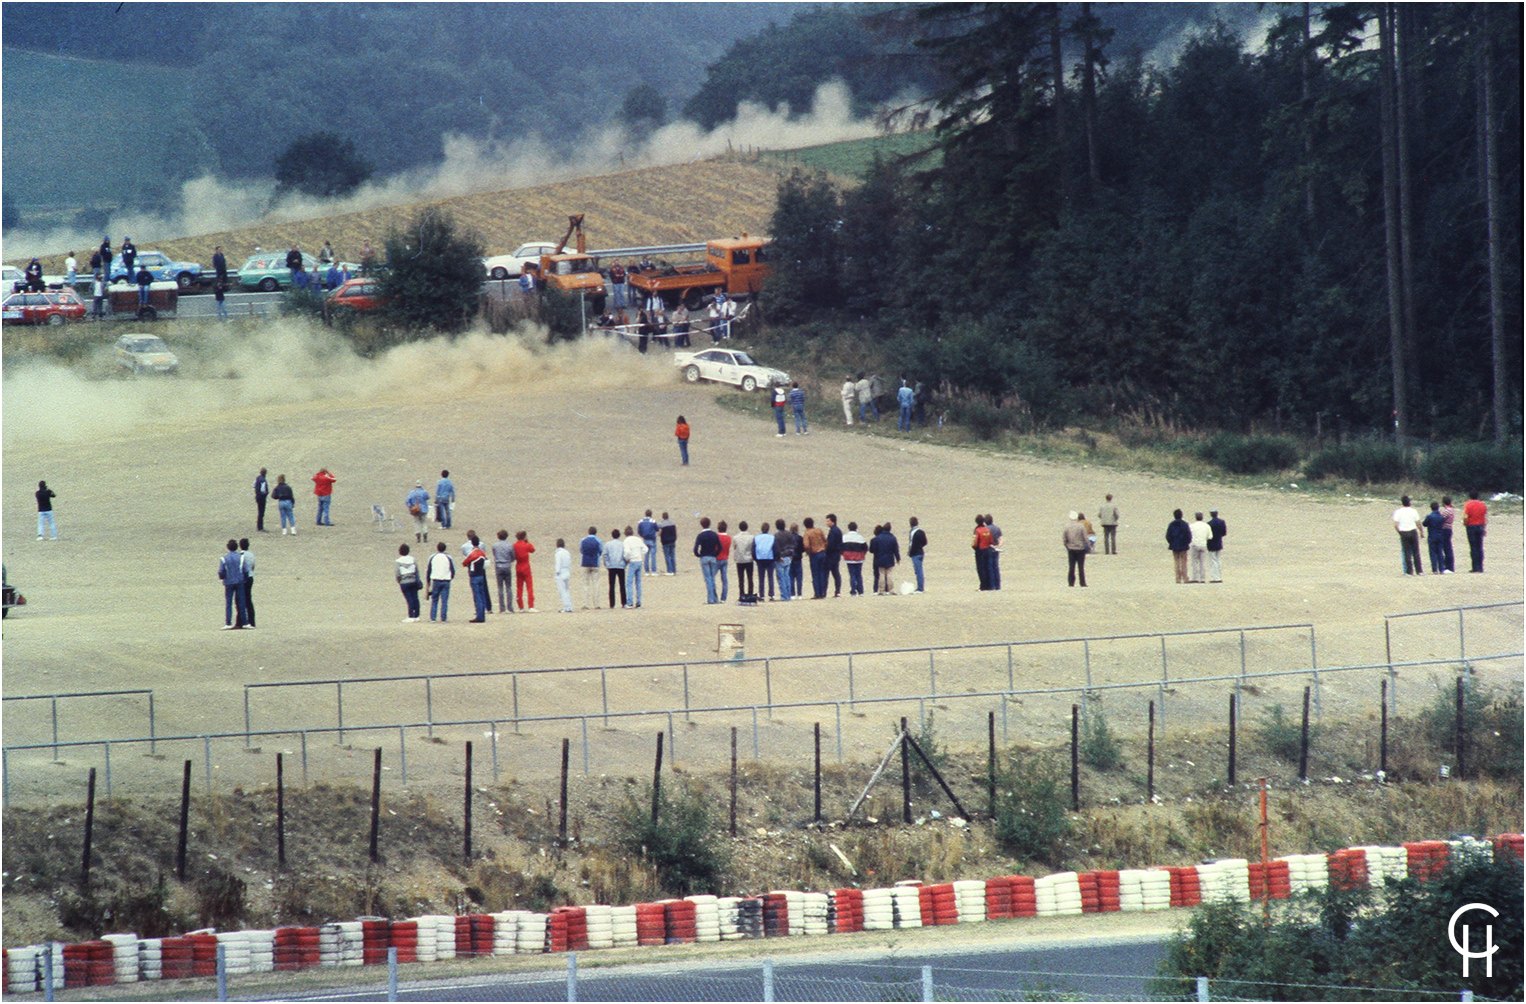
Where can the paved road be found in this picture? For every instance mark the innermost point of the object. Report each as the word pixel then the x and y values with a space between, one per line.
pixel 1116 969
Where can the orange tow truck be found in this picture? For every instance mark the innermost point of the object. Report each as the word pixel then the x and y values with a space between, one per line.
pixel 736 266
pixel 571 272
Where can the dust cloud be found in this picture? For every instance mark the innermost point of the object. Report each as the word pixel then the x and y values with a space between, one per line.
pixel 293 362
pixel 212 205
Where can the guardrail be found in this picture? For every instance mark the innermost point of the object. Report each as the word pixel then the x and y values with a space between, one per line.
pixel 429 679
pixel 55 698
pixel 1082 691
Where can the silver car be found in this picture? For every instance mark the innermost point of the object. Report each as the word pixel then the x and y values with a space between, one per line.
pixel 146 354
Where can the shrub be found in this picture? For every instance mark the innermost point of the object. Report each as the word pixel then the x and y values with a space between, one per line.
pixel 1364 462
pixel 1031 820
pixel 1283 737
pixel 1491 722
pixel 979 415
pixel 1099 749
pixel 681 845
pixel 562 314
pixel 932 746
pixel 1482 467
pixel 433 277
pixel 1249 454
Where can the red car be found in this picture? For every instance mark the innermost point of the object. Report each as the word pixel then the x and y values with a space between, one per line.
pixel 53 307
pixel 360 295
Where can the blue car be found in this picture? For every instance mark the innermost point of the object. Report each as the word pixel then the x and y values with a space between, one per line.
pixel 185 274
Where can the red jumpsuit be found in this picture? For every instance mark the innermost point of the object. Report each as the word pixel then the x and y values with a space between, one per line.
pixel 522 551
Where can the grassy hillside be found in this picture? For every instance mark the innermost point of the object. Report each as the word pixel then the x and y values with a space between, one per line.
pixel 68 121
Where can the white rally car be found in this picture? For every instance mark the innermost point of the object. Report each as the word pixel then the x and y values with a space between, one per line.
pixel 727 366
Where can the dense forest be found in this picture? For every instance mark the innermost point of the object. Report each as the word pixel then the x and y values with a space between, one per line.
pixel 1317 236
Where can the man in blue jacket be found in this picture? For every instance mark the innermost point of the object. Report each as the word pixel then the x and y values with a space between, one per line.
pixel 647 530
pixel 591 548
pixel 231 570
pixel 1179 539
pixel 444 499
pixel 887 554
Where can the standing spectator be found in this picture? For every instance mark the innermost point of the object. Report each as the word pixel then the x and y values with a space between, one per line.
pixel 526 281
pixel 981 545
pixel 993 556
pixel 503 571
pixel 1448 516
pixel 286 504
pixel 590 549
pixel 475 562
pixel 1091 533
pixel 722 558
pixel 919 396
pixel 417 502
pixel 1434 523
pixel 741 556
pixel 219 297
pixel 784 560
pixel 1407 525
pixel 45 497
pixel 472 540
pixel 335 276
pixel 916 549
pixel 680 327
pixel 71 269
pixel 1107 515
pixel 876 391
pixel 815 540
pixel 728 310
pixel 323 487
pixel 635 564
pixel 834 554
pixel 647 530
pixel 713 318
pixel 1074 539
pixel 1219 530
pixel 798 565
pixel 1475 521
pixel 1178 540
pixel 261 493
pixel 617 285
pixel 681 431
pixel 220 268
pixel 667 533
pixel 797 405
pixel 847 399
pixel 33 275
pixel 129 255
pixel 326 255
pixel 854 547
pixel 294 265
pixel 781 396
pixel 145 280
pixel 707 545
pixel 246 559
pixel 561 570
pixel 905 397
pixel 409 581
pixel 444 499
pixel 442 569
pixel 367 258
pixel 1197 551
pixel 98 304
pixel 105 253
pixel 887 554
pixel 763 555
pixel 95 267
pixel 230 569
pixel 614 564
pixel 865 399
pixel 522 551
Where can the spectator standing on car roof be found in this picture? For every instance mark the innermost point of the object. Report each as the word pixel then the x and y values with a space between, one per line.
pixel 71 267
pixel 219 264
pixel 617 285
pixel 145 279
pixel 367 258
pixel 34 276
pixel 294 263
pixel 129 254
pixel 105 253
pixel 327 254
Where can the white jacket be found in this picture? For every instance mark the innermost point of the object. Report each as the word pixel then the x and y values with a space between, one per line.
pixel 635 549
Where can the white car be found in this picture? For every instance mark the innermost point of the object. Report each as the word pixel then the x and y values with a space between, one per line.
pixel 141 353
pixel 727 366
pixel 508 266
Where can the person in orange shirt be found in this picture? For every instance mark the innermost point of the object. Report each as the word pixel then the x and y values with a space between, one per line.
pixel 982 548
pixel 682 432
pixel 1475 517
pixel 522 551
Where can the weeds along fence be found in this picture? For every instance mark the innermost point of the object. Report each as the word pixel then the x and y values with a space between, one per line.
pixel 423 752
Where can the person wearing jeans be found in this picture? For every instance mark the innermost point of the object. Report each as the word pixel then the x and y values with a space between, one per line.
pixel 647 531
pixel 635 564
pixel 797 405
pixel 285 502
pixel 916 549
pixel 854 547
pixel 323 487
pixel 905 398
pixel 1475 520
pixel 722 557
pixel 409 581
pixel 1074 539
pixel 667 533
pixel 707 548
pixel 763 555
pixel 784 556
pixel 614 564
pixel 45 496
pixel 441 569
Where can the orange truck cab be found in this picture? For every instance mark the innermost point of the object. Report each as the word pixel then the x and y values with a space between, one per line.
pixel 572 272
pixel 736 266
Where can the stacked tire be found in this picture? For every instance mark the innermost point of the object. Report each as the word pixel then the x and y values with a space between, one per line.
pixel 124 957
pixel 426 939
pixel 750 917
pixel 1108 888
pixel 1089 899
pixel 403 935
pixel 1511 843
pixel 707 918
pixel 908 904
pixel 1269 881
pixel 462 930
pixel 775 915
pixel 1348 868
pixel 556 931
pixel 879 909
pixel 1058 895
pixel 1186 886
pixel 624 928
pixel 237 958
pixel 848 910
pixel 533 933
pixel 599 926
pixel 682 928
pixel 1425 859
pixel 651 924
pixel 936 905
pixel 375 939
pixel 203 953
pixel 262 946
pixel 23 969
pixel 970 898
pixel 1024 895
pixel 177 958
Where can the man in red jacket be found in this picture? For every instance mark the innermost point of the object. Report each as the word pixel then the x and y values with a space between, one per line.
pixel 1475 518
pixel 323 487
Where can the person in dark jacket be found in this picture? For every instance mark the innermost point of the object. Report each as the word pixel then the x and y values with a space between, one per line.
pixel 1217 530
pixel 667 536
pixel 129 255
pixel 707 548
pixel 145 278
pixel 590 550
pixel 887 554
pixel 917 549
pixel 105 253
pixel 220 265
pixel 294 263
pixel 834 553
pixel 45 497
pixel 261 493
pixel 286 503
pixel 230 569
pixel 784 558
pixel 1179 539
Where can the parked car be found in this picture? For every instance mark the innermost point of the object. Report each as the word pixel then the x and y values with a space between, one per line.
pixel 267 271
pixel 10 596
pixel 12 278
pixel 508 266
pixel 161 266
pixel 52 307
pixel 359 295
pixel 140 353
pixel 727 366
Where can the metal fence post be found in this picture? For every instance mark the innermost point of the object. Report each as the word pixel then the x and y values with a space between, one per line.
pixel 5 773
pixel 151 723
pixel 207 748
pixel 1086 650
pixel 47 971
pixel 429 704
pixel 304 758
pixel 932 676
pixel 755 732
pixel 1009 668
pixel 494 727
pixel 392 973
pixel 222 971
pixel 687 717
pixel 585 745
pixel 927 983
pixel 672 742
pixel 850 680
pixel 768 685
pixel 1202 989
pixel 515 680
pixel 108 769
pixel 1462 644
pixel 246 715
pixel 339 695
pixel 1242 652
pixel 402 752
pixel 604 693
pixel 838 705
pixel 572 976
pixel 55 730
pixel 768 980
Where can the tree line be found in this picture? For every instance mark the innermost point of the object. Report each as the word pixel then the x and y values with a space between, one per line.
pixel 1317 236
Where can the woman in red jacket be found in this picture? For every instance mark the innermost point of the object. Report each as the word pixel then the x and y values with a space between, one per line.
pixel 681 430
